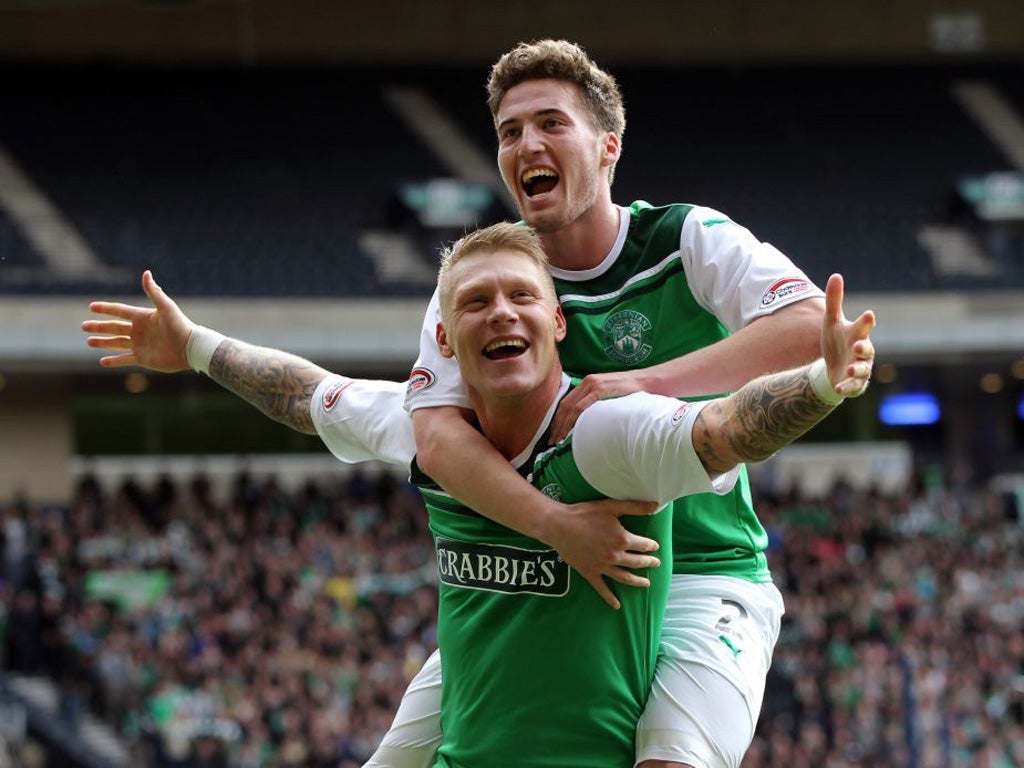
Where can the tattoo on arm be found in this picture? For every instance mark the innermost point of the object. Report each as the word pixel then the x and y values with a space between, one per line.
pixel 278 384
pixel 755 422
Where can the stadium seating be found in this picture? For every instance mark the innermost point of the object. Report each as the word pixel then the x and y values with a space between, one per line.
pixel 290 621
pixel 225 182
pixel 837 167
pixel 17 253
pixel 262 182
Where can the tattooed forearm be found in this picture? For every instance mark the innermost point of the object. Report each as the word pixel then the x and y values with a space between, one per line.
pixel 278 384
pixel 755 422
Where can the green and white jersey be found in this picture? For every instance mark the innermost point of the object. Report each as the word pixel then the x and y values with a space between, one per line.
pixel 679 278
pixel 541 671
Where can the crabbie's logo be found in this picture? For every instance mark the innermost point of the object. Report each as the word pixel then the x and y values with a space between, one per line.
pixel 499 568
pixel 679 414
pixel 333 393
pixel 420 379
pixel 784 289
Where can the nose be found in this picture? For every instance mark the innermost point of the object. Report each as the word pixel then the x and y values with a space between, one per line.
pixel 531 141
pixel 503 311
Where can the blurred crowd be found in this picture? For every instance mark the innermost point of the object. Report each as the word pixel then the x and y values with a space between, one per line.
pixel 267 629
pixel 262 628
pixel 902 643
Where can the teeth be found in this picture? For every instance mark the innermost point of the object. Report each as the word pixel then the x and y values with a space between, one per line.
pixel 535 173
pixel 505 343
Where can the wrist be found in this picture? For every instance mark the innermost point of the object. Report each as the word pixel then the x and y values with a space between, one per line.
pixel 822 385
pixel 546 523
pixel 656 380
pixel 202 343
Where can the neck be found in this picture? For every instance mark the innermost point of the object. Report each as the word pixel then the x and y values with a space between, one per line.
pixel 584 243
pixel 510 422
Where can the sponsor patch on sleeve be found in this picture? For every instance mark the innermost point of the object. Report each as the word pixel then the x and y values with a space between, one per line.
pixel 784 289
pixel 679 414
pixel 333 393
pixel 419 380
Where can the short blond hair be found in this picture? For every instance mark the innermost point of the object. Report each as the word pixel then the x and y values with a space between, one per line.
pixel 504 236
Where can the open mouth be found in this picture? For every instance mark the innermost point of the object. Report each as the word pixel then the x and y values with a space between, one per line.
pixel 505 349
pixel 537 181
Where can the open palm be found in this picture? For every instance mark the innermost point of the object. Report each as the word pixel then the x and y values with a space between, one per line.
pixel 150 337
pixel 845 344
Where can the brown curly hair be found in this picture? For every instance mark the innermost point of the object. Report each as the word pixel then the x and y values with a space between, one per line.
pixel 560 60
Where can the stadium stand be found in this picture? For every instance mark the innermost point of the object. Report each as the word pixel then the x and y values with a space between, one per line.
pixel 224 182
pixel 233 183
pixel 279 628
pixel 836 166
pixel 17 253
pixel 275 624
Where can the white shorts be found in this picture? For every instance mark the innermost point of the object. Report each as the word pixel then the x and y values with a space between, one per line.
pixel 415 735
pixel 716 646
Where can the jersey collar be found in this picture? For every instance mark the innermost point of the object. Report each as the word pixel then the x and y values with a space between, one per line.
pixel 579 275
pixel 525 458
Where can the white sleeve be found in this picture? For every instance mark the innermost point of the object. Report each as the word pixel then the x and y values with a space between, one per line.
pixel 641 447
pixel 435 379
pixel 363 420
pixel 735 276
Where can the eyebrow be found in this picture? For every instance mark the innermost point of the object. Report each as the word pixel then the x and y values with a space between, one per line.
pixel 467 287
pixel 538 113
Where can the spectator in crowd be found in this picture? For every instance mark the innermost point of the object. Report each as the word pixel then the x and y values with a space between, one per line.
pixel 270 645
pixel 901 644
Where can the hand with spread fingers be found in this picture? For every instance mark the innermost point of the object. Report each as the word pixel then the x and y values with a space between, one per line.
pixel 591 539
pixel 846 345
pixel 150 337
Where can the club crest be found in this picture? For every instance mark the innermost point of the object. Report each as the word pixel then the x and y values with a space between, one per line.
pixel 552 491
pixel 624 334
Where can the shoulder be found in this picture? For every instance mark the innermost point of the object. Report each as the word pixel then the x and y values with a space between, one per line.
pixel 687 223
pixel 626 415
pixel 644 213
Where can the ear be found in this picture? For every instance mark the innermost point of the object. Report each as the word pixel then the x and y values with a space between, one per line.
pixel 560 324
pixel 611 150
pixel 442 342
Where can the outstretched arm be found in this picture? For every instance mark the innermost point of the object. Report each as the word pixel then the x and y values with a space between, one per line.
pixel 786 338
pixel 160 338
pixel 772 411
pixel 279 384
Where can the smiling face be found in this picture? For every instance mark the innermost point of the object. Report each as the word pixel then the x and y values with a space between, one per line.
pixel 552 157
pixel 502 322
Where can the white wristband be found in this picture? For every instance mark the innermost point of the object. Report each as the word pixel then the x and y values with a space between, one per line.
pixel 201 345
pixel 822 385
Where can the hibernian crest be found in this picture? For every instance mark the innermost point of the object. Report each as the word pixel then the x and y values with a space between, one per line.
pixel 624 333
pixel 552 490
